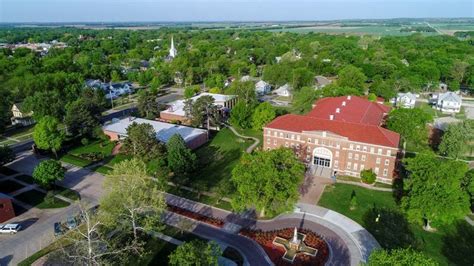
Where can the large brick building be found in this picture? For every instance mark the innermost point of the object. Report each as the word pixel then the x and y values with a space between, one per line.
pixel 341 135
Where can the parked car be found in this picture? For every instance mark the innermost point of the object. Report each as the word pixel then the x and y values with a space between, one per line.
pixel 58 229
pixel 10 228
pixel 71 223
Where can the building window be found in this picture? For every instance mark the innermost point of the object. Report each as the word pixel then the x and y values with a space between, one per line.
pixel 377 161
pixel 308 149
pixel 297 146
pixel 298 137
pixel 338 146
pixel 380 151
pixel 286 144
pixel 372 150
pixel 337 153
pixel 351 146
pixel 376 170
pixel 316 141
pixel 308 157
pixel 309 140
pixel 385 172
pixel 389 152
pixel 268 140
pixel 287 136
pixel 387 161
pixel 275 134
pixel 355 167
pixel 363 157
pixel 358 148
pixel 274 142
pixel 356 156
pixel 362 167
pixel 349 164
pixel 269 132
pixel 292 136
pixel 364 148
pixel 350 155
pixel 281 135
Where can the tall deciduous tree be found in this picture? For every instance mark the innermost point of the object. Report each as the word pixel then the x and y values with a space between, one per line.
pixel 47 134
pixel 196 252
pixel 47 172
pixel 263 114
pixel 400 257
pixel 181 159
pixel 353 77
pixel 202 112
pixel 434 189
pixel 304 99
pixel 148 105
pixel 141 142
pixel 410 123
pixel 240 115
pixel 267 180
pixel 133 201
pixel 453 142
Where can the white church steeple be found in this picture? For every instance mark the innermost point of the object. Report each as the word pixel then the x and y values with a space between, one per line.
pixel 173 51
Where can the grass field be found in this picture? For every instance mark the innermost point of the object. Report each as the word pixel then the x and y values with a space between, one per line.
pixel 450 245
pixel 379 30
pixel 38 199
pixel 218 157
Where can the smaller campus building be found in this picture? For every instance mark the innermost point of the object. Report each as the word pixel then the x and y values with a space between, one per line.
pixel 194 137
pixel 175 110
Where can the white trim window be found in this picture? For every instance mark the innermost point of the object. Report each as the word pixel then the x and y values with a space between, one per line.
pixel 372 150
pixel 337 153
pixel 376 170
pixel 286 144
pixel 379 151
pixel 387 161
pixel 389 153
pixel 377 161
pixel 356 156
pixel 274 142
pixel 349 155
pixel 385 172
pixel 269 140
pixel 349 164
pixel 355 167
pixel 363 157
pixel 309 140
pixel 364 148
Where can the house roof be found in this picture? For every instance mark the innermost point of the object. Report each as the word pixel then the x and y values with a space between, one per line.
pixel 322 80
pixel 177 107
pixel 352 109
pixel 353 131
pixel 164 131
pixel 449 97
pixel 408 95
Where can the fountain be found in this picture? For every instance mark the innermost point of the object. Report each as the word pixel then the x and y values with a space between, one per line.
pixel 294 246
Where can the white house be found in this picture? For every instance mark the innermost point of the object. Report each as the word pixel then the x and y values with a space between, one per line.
pixel 448 102
pixel 20 116
pixel 262 88
pixel 284 91
pixel 405 100
pixel 321 81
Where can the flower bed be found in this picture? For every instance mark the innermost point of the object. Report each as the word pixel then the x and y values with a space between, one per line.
pixel 265 239
pixel 196 216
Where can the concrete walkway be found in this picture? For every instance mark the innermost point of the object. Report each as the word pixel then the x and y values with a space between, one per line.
pixel 312 188
pixel 371 187
pixel 253 146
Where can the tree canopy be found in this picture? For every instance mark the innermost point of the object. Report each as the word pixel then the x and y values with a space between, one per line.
pixel 267 181
pixel 263 114
pixel 411 124
pixel 47 172
pixel 47 134
pixel 181 159
pixel 400 257
pixel 141 142
pixel 196 252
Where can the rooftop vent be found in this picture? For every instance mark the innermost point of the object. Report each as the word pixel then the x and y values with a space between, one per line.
pixel 338 110
pixel 349 97
pixel 331 117
pixel 344 103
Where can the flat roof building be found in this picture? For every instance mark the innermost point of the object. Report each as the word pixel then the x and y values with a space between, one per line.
pixel 194 137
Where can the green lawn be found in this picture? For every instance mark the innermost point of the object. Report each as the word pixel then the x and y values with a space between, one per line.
pixel 218 157
pixel 38 199
pixel 74 160
pixel 203 199
pixel 252 133
pixel 451 244
pixel 66 192
pixel 104 147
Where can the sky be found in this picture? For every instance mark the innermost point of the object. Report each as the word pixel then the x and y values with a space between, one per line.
pixel 226 10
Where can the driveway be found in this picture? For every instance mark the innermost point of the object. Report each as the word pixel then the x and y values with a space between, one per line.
pixel 38 232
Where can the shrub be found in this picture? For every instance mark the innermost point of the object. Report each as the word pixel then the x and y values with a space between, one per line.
pixel 92 156
pixel 368 176
pixel 85 141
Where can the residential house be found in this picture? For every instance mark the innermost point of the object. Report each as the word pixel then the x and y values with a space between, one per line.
pixel 340 136
pixel 448 102
pixel 284 91
pixel 175 110
pixel 262 88
pixel 321 81
pixel 194 137
pixel 405 100
pixel 20 116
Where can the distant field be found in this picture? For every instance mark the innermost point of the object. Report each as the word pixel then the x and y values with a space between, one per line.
pixel 355 30
pixel 450 28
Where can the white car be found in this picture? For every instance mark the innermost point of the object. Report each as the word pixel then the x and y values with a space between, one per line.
pixel 10 228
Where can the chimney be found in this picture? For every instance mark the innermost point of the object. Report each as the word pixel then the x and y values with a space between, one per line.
pixel 344 103
pixel 338 110
pixel 349 97
pixel 331 117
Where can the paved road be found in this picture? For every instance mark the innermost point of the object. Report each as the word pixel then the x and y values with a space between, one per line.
pixel 39 223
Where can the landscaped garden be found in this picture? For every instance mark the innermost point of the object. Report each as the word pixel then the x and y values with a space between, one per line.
pixel 379 213
pixel 90 153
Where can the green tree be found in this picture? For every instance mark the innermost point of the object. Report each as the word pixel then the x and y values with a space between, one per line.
pixel 133 201
pixel 82 117
pixel 304 99
pixel 353 77
pixel 47 135
pixel 454 139
pixel 147 105
pixel 368 176
pixel 141 142
pixel 6 155
pixel 411 124
pixel 202 112
pixel 434 192
pixel 245 92
pixel 267 180
pixel 190 91
pixel 240 115
pixel 399 257
pixel 301 77
pixel 263 114
pixel 181 159
pixel 47 172
pixel 196 252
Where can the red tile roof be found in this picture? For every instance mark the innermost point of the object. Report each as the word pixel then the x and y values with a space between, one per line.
pixel 359 121
pixel 356 110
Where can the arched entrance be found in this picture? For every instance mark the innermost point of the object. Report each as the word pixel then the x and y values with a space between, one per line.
pixel 322 157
